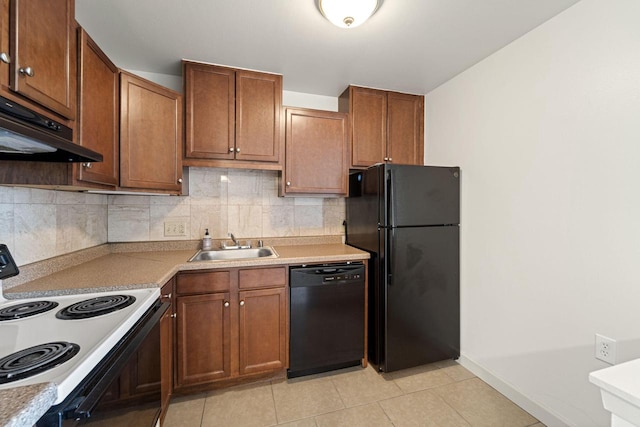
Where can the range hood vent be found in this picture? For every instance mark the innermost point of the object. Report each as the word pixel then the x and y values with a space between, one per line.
pixel 28 136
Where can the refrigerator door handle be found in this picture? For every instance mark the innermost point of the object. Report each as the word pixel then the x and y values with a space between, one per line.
pixel 389 245
pixel 391 205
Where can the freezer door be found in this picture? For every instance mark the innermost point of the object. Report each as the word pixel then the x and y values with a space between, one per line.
pixel 422 297
pixel 423 195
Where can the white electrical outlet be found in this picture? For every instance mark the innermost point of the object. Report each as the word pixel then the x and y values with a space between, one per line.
pixel 606 349
pixel 175 229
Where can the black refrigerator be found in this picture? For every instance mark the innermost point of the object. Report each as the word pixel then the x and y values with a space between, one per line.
pixel 407 217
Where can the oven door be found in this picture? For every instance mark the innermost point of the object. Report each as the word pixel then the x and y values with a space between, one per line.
pixel 124 389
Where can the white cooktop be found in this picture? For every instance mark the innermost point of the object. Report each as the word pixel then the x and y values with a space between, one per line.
pixel 96 336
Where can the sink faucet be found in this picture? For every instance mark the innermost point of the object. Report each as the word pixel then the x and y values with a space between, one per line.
pixel 236 244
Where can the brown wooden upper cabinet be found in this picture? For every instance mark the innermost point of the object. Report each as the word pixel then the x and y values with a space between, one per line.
pixel 42 54
pixel 385 126
pixel 98 113
pixel 232 117
pixel 316 153
pixel 150 136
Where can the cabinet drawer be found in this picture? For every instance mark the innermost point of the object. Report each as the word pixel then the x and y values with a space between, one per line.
pixel 262 277
pixel 203 282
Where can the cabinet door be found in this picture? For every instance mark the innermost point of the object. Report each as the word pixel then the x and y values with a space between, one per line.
pixel 150 135
pixel 98 112
pixel 406 128
pixel 44 53
pixel 369 120
pixel 145 370
pixel 166 350
pixel 258 106
pixel 210 111
pixel 316 152
pixel 5 53
pixel 263 330
pixel 203 338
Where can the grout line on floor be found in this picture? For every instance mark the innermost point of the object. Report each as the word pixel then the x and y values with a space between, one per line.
pixel 273 399
pixel 204 405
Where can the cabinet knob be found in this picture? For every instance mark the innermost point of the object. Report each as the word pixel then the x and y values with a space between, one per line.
pixel 167 296
pixel 231 149
pixel 5 58
pixel 27 71
pixel 386 159
pixel 179 180
pixel 241 303
pixel 87 165
pixel 174 315
pixel 226 303
pixel 237 150
pixel 288 183
pixel 390 159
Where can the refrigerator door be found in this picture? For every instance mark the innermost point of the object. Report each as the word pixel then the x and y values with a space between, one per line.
pixel 422 195
pixel 364 209
pixel 421 297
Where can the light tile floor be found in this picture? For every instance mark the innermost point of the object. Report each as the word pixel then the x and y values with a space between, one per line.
pixel 442 394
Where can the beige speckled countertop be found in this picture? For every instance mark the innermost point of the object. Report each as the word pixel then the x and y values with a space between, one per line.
pixel 130 270
pixel 109 268
pixel 23 406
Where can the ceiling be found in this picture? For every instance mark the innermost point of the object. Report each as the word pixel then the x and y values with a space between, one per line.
pixel 408 45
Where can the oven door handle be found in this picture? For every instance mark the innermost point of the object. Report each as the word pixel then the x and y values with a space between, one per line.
pixel 118 361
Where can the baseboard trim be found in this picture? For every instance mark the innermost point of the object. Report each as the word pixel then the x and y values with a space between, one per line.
pixel 542 414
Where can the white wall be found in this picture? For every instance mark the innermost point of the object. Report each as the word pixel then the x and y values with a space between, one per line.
pixel 547 134
pixel 305 100
pixel 166 80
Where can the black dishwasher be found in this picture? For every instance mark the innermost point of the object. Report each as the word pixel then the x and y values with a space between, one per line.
pixel 327 317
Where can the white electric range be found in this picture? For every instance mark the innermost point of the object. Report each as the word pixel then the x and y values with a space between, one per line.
pixel 73 341
pixel 84 341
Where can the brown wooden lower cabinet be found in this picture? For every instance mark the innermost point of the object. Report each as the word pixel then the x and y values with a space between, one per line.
pixel 166 349
pixel 230 330
pixel 262 327
pixel 203 338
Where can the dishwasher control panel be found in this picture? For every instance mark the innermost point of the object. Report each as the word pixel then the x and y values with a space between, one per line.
pixel 326 274
pixel 341 277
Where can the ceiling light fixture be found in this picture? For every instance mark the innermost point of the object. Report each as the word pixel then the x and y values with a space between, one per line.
pixel 348 13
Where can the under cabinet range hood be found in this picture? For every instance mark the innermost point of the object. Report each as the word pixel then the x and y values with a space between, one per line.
pixel 28 136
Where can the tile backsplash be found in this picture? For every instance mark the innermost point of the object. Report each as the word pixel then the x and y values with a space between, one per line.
pixel 244 202
pixel 39 224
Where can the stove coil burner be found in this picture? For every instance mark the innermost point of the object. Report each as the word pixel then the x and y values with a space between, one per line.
pixel 34 360
pixel 95 307
pixel 26 309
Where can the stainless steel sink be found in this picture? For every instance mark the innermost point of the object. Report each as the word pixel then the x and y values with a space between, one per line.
pixel 229 254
